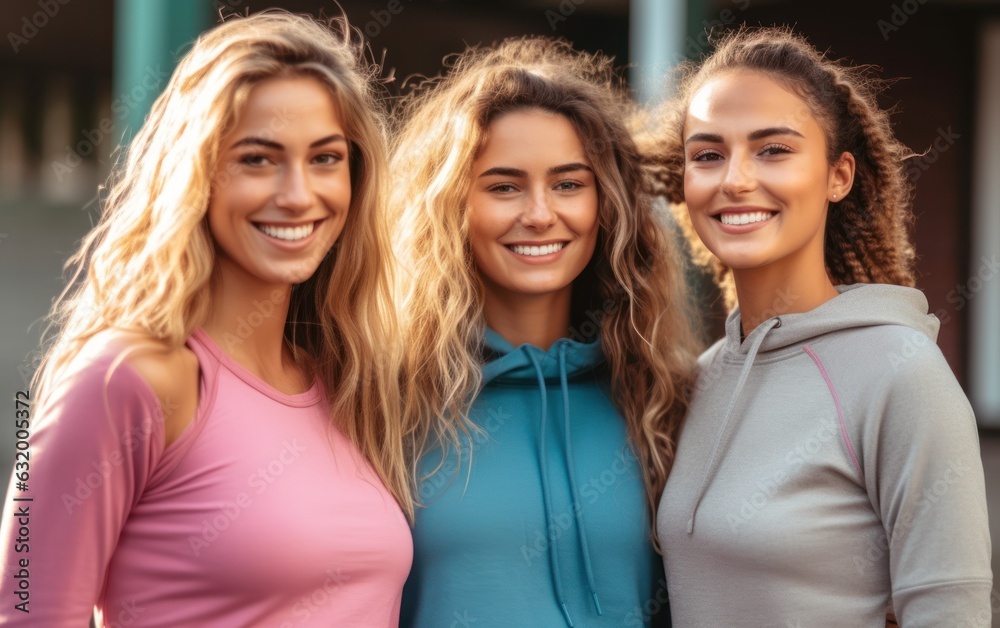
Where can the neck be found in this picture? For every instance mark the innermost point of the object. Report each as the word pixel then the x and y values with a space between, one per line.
pixel 248 320
pixel 538 320
pixel 767 292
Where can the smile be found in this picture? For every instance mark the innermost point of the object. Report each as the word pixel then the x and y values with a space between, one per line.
pixel 298 232
pixel 535 251
pixel 744 219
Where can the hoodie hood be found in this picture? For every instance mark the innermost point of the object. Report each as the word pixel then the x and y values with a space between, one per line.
pixel 527 363
pixel 857 305
pixel 507 363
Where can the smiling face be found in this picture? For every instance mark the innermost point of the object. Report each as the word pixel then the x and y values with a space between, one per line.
pixel 757 181
pixel 533 205
pixel 282 187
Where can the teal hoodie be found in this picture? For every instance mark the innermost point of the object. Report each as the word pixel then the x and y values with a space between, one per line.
pixel 550 527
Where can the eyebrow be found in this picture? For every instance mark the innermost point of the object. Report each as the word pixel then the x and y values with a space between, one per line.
pixel 573 167
pixel 518 173
pixel 774 130
pixel 753 136
pixel 259 141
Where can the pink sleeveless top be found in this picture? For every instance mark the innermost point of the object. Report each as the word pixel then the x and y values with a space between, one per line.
pixel 260 514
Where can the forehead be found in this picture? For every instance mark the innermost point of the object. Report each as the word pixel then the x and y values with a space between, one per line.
pixel 285 103
pixel 748 101
pixel 533 134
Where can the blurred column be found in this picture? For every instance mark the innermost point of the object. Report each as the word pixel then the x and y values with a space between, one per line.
pixel 983 285
pixel 150 36
pixel 13 154
pixel 657 30
pixel 104 115
pixel 67 170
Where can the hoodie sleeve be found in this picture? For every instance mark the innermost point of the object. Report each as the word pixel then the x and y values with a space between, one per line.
pixel 92 449
pixel 924 474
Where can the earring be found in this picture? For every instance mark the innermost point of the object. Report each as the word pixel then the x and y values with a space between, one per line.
pixel 834 197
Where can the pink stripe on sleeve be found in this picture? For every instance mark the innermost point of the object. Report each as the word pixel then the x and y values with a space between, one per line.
pixel 840 412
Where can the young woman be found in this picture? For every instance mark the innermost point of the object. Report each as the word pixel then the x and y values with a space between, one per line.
pixel 829 465
pixel 549 346
pixel 184 466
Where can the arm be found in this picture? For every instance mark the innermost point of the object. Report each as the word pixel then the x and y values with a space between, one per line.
pixel 93 447
pixel 924 474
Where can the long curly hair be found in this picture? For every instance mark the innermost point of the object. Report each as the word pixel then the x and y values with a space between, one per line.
pixel 634 284
pixel 148 266
pixel 867 231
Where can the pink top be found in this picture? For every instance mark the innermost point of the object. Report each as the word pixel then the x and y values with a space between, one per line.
pixel 260 513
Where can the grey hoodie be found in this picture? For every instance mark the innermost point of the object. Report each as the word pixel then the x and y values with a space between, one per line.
pixel 829 466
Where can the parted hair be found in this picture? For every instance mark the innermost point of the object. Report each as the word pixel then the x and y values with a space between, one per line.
pixel 868 231
pixel 148 265
pixel 634 283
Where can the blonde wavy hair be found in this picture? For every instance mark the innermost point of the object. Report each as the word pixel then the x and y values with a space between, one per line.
pixel 147 267
pixel 635 276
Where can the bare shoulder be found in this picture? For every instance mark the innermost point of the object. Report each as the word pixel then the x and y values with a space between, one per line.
pixel 171 372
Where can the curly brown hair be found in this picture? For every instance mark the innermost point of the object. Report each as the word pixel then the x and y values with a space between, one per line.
pixel 868 231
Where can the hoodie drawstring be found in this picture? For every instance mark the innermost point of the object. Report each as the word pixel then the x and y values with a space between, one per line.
pixel 543 466
pixel 715 458
pixel 577 508
pixel 574 490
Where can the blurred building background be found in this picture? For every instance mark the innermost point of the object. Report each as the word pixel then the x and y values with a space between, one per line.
pixel 77 76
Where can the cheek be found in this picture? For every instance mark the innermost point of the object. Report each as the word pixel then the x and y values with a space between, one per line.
pixel 479 236
pixel 484 229
pixel 218 214
pixel 336 190
pixel 240 194
pixel 805 184
pixel 220 227
pixel 218 197
pixel 698 188
pixel 486 223
pixel 594 211
pixel 232 200
pixel 583 216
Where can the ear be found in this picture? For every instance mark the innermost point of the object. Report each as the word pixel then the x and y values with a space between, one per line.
pixel 841 178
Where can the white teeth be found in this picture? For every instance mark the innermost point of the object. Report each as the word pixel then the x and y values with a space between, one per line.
pixel 744 219
pixel 287 233
pixel 534 251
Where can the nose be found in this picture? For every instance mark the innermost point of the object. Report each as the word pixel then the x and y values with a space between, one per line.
pixel 740 176
pixel 294 193
pixel 538 214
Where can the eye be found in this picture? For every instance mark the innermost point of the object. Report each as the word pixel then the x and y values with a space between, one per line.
pixel 775 149
pixel 502 188
pixel 254 159
pixel 708 154
pixel 328 159
pixel 568 186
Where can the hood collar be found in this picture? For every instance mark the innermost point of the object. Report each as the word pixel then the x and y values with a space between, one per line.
pixel 857 305
pixel 512 364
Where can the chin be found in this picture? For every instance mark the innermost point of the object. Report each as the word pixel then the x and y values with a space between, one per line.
pixel 736 262
pixel 288 276
pixel 739 259
pixel 537 288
